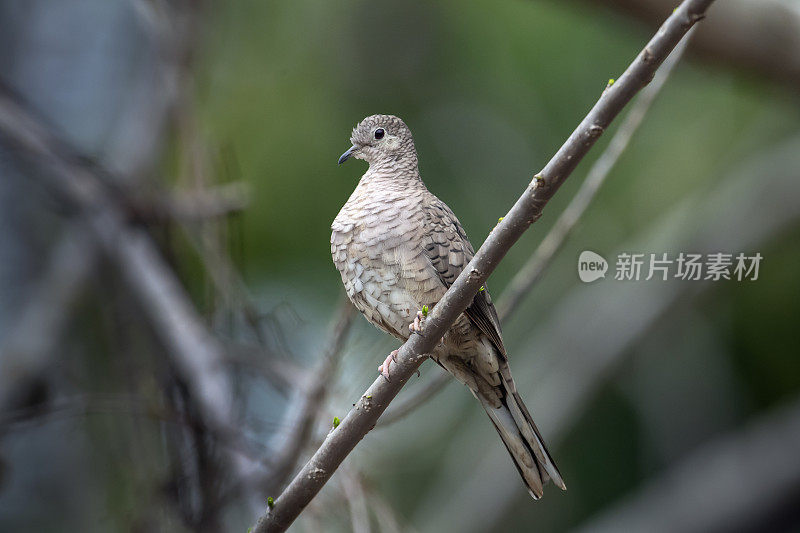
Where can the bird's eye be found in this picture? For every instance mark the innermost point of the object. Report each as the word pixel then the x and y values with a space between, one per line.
pixel 379 133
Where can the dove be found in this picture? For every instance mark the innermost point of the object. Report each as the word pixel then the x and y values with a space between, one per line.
pixel 398 249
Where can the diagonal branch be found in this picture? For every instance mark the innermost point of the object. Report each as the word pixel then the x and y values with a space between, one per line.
pixel 574 363
pixel 533 269
pixel 528 208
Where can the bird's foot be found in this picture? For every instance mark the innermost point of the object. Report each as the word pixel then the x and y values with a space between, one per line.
pixel 419 321
pixel 384 368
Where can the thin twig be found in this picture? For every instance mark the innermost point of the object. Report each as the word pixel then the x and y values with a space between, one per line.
pixel 281 372
pixel 384 513
pixel 528 208
pixel 228 282
pixel 311 410
pixel 356 501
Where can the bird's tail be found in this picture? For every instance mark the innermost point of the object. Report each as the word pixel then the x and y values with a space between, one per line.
pixel 523 441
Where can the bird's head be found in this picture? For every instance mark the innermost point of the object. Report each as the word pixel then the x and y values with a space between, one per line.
pixel 382 139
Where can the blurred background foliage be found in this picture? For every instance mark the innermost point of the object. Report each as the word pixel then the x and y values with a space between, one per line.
pixel 490 91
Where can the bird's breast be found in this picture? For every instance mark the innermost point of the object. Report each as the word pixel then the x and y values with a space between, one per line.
pixel 376 246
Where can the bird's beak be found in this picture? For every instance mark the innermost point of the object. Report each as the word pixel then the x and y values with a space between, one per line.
pixel 345 156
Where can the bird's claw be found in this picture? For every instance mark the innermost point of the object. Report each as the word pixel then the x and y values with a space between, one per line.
pixel 384 368
pixel 417 324
pixel 415 327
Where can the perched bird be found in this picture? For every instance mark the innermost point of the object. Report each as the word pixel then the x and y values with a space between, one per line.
pixel 398 249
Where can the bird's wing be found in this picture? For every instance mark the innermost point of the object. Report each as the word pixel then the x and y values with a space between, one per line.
pixel 449 251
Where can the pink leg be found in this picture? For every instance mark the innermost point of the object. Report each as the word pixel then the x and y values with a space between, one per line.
pixel 384 368
pixel 416 326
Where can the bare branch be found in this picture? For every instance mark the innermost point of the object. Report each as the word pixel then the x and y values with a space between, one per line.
pixel 362 418
pixel 196 354
pixel 533 269
pixel 573 364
